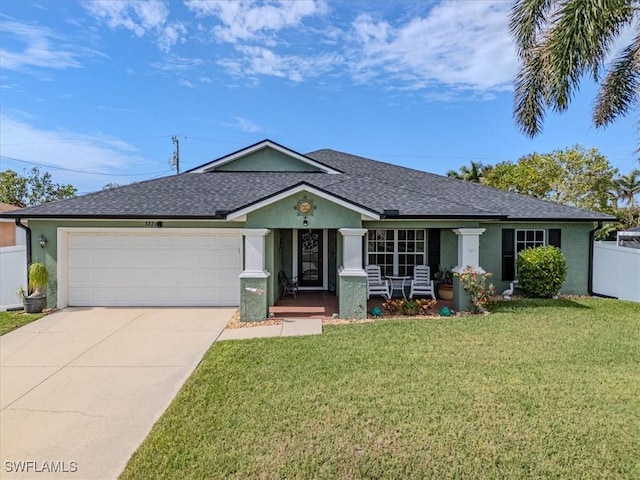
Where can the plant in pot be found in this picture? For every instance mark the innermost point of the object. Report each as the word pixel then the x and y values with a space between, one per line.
pixel 36 301
pixel 445 283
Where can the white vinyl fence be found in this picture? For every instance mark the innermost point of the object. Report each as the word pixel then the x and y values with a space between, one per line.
pixel 616 271
pixel 13 275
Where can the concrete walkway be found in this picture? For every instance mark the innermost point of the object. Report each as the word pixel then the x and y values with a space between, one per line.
pixel 289 328
pixel 81 389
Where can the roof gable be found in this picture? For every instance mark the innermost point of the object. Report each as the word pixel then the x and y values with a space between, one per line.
pixel 265 156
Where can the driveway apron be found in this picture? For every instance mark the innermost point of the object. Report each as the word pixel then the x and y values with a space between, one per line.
pixel 80 389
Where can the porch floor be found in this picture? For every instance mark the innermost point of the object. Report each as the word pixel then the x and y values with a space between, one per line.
pixel 324 305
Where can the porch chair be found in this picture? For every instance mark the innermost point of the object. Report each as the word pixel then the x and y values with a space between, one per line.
pixel 421 284
pixel 289 287
pixel 375 284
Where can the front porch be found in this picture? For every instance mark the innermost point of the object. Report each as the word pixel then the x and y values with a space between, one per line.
pixel 324 304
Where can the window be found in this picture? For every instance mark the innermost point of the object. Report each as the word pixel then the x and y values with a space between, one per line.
pixel 396 251
pixel 514 241
pixel 529 239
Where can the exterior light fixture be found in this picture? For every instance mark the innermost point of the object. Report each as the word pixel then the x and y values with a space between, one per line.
pixel 43 241
pixel 304 208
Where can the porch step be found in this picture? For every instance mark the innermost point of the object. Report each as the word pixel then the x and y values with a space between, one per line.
pixel 301 312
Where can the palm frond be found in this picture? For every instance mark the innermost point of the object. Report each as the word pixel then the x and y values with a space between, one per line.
pixel 580 37
pixel 526 22
pixel 620 88
pixel 561 41
pixel 531 93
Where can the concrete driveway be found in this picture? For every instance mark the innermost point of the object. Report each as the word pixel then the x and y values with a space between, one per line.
pixel 80 389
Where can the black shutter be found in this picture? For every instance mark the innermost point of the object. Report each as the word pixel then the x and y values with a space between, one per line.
pixel 434 250
pixel 508 254
pixel 555 235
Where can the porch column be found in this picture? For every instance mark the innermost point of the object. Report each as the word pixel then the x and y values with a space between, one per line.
pixel 253 279
pixel 352 299
pixel 468 255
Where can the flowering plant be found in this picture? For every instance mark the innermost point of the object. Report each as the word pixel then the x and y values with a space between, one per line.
pixel 474 283
pixel 419 306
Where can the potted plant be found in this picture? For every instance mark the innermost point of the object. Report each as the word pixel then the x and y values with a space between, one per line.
pixel 445 283
pixel 36 301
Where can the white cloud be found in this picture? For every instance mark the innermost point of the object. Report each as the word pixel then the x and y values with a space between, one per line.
pixel 186 83
pixel 462 44
pixel 42 48
pixel 263 61
pixel 140 17
pixel 244 125
pixel 247 19
pixel 459 45
pixel 85 152
pixel 174 63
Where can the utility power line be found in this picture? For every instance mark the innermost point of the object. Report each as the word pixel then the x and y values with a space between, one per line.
pixel 79 171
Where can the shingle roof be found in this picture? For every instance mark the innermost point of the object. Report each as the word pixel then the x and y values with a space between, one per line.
pixel 377 186
pixel 7 207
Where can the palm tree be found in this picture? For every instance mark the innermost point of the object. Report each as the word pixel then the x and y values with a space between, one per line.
pixel 627 187
pixel 559 41
pixel 475 172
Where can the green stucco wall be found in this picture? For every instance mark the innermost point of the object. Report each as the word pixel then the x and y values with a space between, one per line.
pixel 574 246
pixel 283 214
pixel 352 301
pixel 270 266
pixel 267 160
pixel 448 248
pixel 253 305
pixel 282 217
pixel 461 299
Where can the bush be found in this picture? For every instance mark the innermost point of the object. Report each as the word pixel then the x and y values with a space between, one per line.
pixel 475 284
pixel 419 306
pixel 541 271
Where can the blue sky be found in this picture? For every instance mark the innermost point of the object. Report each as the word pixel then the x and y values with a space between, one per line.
pixel 98 88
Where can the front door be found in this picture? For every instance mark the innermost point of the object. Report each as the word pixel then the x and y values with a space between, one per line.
pixel 310 258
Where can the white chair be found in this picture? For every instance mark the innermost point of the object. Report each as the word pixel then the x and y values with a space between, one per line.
pixel 375 284
pixel 422 283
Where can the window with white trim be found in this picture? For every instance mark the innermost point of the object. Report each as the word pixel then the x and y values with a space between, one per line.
pixel 529 239
pixel 396 251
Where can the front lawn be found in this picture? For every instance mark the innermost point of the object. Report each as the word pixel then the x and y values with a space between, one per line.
pixel 538 389
pixel 12 320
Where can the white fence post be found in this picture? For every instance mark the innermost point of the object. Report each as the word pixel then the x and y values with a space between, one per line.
pixel 616 271
pixel 13 275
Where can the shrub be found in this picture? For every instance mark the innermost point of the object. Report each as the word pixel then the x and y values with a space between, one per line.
pixel 475 284
pixel 419 306
pixel 541 271
pixel 38 278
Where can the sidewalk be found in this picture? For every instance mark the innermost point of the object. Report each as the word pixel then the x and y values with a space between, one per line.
pixel 289 328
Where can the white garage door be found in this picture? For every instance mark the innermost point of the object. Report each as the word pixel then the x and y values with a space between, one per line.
pixel 154 267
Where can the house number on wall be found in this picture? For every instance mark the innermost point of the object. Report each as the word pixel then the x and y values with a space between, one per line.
pixel 153 224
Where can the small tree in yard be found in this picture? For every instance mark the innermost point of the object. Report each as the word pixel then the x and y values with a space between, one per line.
pixel 541 271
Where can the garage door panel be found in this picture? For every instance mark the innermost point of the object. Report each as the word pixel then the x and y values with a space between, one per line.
pixel 153 268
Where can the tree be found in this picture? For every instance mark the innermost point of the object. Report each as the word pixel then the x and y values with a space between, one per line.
pixel 558 43
pixel 626 187
pixel 573 176
pixel 475 172
pixel 33 188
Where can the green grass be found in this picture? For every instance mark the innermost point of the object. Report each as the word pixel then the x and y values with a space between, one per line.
pixel 539 389
pixel 12 320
